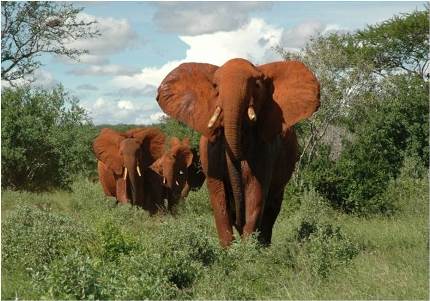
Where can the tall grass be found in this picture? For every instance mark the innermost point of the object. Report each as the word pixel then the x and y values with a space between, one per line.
pixel 81 245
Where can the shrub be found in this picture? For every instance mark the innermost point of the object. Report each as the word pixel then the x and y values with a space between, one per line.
pixel 73 276
pixel 32 237
pixel 46 138
pixel 172 127
pixel 322 244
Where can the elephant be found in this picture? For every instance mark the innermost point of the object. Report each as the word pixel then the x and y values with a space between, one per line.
pixel 123 158
pixel 196 177
pixel 166 178
pixel 248 147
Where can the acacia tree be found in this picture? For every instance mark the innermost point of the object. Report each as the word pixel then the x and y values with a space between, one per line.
pixel 29 29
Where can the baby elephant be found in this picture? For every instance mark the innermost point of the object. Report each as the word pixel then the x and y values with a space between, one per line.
pixel 166 177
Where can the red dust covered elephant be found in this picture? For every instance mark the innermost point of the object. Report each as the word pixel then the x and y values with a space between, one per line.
pixel 123 158
pixel 248 147
pixel 138 166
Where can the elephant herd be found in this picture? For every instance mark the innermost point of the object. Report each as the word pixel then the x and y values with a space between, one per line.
pixel 248 148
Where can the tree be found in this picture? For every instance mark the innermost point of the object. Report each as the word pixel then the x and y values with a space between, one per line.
pixel 46 139
pixel 399 43
pixel 351 67
pixel 29 29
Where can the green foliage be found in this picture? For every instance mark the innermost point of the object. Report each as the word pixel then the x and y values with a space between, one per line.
pixel 73 276
pixel 100 250
pixel 32 237
pixel 383 113
pixel 395 128
pixel 174 128
pixel 401 42
pixel 113 242
pixel 46 139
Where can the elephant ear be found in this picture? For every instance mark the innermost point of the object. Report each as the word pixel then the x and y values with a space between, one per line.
pixel 106 149
pixel 188 94
pixel 152 143
pixel 295 96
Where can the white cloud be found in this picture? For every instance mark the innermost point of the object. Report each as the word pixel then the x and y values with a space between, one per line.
pixel 296 37
pixel 195 18
pixel 252 41
pixel 156 117
pixel 39 78
pixel 104 70
pixel 125 105
pixel 116 36
pixel 111 111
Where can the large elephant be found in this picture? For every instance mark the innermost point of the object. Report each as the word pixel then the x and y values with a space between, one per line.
pixel 248 147
pixel 166 177
pixel 123 158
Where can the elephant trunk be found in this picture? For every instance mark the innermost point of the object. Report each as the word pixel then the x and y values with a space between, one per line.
pixel 233 111
pixel 134 185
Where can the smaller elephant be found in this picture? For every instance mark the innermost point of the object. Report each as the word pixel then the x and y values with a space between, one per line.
pixel 166 177
pixel 123 159
pixel 196 177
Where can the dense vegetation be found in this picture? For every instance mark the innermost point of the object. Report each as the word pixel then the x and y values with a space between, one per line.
pixel 81 245
pixel 354 224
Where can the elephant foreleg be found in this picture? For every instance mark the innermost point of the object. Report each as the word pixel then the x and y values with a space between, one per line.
pixel 253 200
pixel 271 211
pixel 219 207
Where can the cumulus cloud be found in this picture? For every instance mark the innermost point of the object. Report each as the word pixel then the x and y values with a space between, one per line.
pixel 39 78
pixel 104 70
pixel 110 111
pixel 252 41
pixel 296 37
pixel 116 35
pixel 194 18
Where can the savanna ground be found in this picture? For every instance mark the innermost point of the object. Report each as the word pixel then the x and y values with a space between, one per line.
pixel 80 244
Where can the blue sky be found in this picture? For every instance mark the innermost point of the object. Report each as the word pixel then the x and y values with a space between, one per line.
pixel 142 41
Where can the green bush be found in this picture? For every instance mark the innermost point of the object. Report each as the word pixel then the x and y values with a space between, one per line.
pixel 393 128
pixel 46 139
pixel 174 128
pixel 32 237
pixel 73 276
pixel 323 245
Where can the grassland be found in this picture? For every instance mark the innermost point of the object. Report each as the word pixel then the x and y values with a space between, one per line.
pixel 81 245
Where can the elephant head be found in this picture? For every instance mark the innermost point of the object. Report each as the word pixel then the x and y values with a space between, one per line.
pixel 172 168
pixel 235 97
pixel 128 154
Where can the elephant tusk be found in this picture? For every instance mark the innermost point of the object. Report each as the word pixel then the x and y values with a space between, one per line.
pixel 125 173
pixel 251 114
pixel 164 180
pixel 181 172
pixel 177 183
pixel 138 170
pixel 214 117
